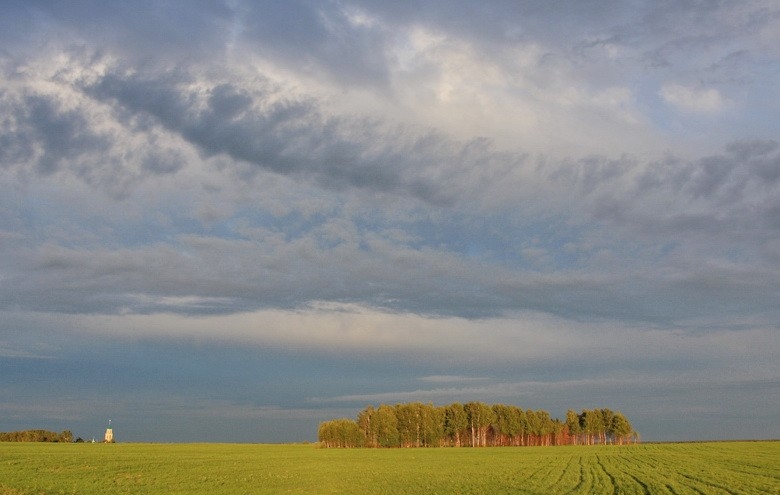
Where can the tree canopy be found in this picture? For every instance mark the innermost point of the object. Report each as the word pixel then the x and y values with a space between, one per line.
pixel 474 424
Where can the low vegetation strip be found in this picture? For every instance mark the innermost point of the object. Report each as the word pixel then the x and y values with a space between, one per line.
pixel 36 436
pixel 691 468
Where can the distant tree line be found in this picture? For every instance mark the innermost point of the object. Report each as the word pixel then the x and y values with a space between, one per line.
pixel 36 436
pixel 474 424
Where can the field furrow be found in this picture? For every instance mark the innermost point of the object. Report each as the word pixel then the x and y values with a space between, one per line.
pixel 570 476
pixel 709 486
pixel 612 482
pixel 583 482
pixel 620 471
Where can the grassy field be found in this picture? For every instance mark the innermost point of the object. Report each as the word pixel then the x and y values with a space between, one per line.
pixel 697 468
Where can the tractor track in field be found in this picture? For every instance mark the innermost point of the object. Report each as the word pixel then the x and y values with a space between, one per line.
pixel 645 489
pixel 581 483
pixel 709 483
pixel 612 481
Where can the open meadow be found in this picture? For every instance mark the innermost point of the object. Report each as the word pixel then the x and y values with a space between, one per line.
pixel 696 468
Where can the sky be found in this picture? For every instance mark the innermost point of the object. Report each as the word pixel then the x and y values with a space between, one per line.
pixel 230 221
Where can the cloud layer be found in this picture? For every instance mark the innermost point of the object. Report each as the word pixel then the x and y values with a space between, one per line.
pixel 538 187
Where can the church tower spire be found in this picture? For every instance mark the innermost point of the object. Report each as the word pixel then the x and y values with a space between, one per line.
pixel 109 438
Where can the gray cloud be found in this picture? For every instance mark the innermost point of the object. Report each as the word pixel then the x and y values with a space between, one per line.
pixel 719 194
pixel 704 209
pixel 707 210
pixel 285 136
pixel 38 130
pixel 144 31
pixel 313 37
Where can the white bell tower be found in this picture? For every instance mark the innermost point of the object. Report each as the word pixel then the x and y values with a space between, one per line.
pixel 109 434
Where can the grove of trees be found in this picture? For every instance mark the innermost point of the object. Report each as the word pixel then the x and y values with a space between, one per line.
pixel 36 436
pixel 473 424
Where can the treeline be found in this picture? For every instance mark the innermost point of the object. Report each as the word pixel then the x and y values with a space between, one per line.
pixel 36 436
pixel 474 424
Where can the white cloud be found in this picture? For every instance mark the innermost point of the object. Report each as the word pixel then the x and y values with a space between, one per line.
pixel 530 338
pixel 690 99
pixel 451 379
pixel 634 386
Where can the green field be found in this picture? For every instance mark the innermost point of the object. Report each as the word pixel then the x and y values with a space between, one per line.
pixel 698 468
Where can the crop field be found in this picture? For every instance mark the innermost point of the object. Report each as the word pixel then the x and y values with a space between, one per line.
pixel 696 468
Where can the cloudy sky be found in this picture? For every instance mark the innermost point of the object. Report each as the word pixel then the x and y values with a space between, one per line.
pixel 231 221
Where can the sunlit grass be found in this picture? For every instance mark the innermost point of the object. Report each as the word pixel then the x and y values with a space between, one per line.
pixel 731 468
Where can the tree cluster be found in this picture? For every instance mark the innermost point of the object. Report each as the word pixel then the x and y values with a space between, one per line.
pixel 599 426
pixel 36 436
pixel 473 424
